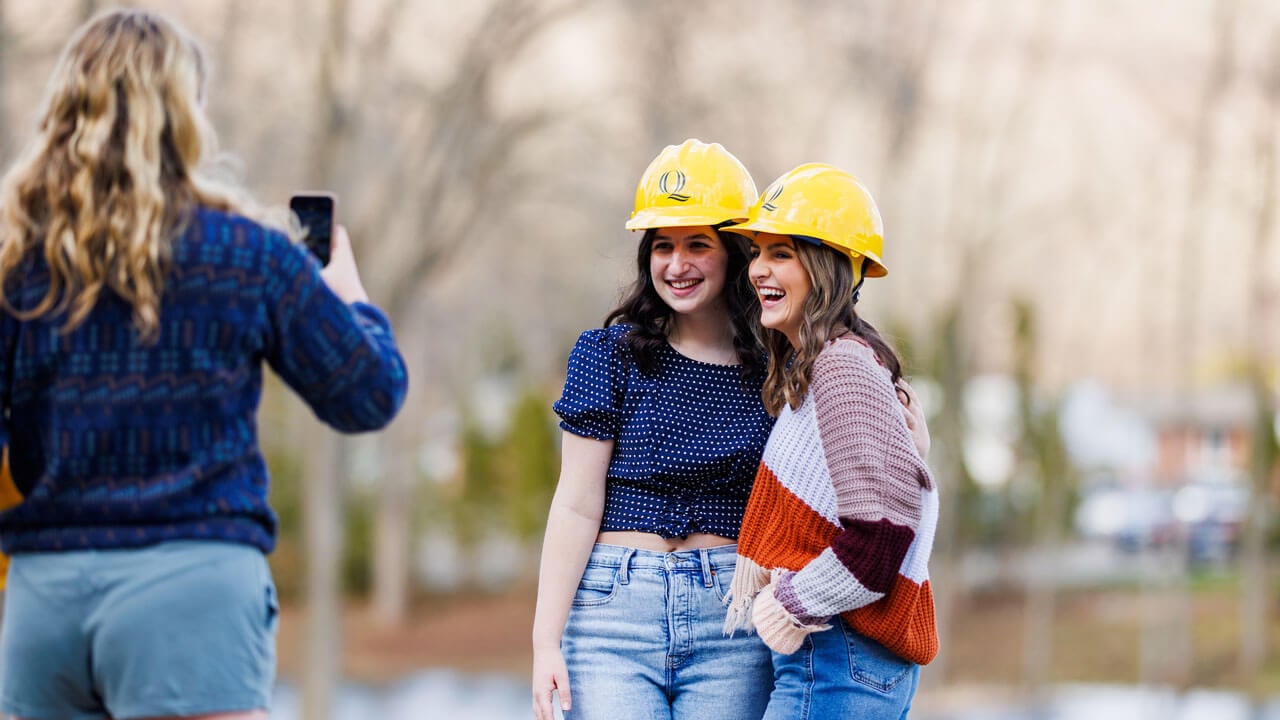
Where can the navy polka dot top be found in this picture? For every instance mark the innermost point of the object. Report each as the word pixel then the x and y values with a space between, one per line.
pixel 688 437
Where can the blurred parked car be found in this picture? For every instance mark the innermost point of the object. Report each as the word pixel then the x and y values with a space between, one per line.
pixel 1209 515
pixel 1213 514
pixel 1134 518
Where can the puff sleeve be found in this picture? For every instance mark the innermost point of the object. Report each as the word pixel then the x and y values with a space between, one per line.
pixel 591 404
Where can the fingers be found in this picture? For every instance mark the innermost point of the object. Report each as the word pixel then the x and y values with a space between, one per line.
pixel 913 413
pixel 542 706
pixel 543 693
pixel 908 407
pixel 907 396
pixel 562 682
pixel 904 389
pixel 341 273
pixel 341 259
pixel 341 243
pixel 542 703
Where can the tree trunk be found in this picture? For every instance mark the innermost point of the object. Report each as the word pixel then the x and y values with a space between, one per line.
pixel 1255 568
pixel 322 525
pixel 393 533
pixel 952 370
pixel 1041 455
pixel 325 461
pixel 1171 640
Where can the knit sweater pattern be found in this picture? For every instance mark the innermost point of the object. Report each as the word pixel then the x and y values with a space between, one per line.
pixel 115 442
pixel 842 515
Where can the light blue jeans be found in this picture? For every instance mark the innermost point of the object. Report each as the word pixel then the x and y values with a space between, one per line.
pixel 645 640
pixel 840 673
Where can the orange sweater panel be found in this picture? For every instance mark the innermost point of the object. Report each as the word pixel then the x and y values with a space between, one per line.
pixel 779 529
pixel 903 621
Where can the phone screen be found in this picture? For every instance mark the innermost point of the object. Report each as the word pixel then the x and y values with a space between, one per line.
pixel 315 212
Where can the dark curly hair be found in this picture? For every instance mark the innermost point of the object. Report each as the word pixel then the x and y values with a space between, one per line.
pixel 645 310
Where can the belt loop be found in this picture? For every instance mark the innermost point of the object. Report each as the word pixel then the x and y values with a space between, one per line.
pixel 707 577
pixel 624 566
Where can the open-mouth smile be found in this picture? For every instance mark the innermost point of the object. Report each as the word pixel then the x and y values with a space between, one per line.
pixel 681 287
pixel 770 296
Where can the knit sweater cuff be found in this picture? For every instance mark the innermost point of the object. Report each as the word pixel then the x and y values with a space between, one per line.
pixel 778 628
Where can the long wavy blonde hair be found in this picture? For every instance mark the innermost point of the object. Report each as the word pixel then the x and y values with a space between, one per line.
pixel 113 173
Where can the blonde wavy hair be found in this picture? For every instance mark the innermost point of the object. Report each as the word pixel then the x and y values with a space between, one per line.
pixel 829 313
pixel 114 171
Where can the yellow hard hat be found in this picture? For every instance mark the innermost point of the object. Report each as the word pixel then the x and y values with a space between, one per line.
pixel 822 202
pixel 693 183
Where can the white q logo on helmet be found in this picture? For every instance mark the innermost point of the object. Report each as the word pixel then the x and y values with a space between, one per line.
pixel 673 192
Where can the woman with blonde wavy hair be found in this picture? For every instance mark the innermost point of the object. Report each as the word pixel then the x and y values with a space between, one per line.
pixel 140 301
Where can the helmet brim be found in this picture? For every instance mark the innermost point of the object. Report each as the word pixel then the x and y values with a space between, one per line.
pixel 680 217
pixel 780 227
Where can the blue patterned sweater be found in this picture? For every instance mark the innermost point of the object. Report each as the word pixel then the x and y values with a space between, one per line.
pixel 117 443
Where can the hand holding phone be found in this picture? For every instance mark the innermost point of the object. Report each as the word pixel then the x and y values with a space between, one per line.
pixel 317 212
pixel 341 275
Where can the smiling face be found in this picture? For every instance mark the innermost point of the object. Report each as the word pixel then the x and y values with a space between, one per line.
pixel 782 284
pixel 688 266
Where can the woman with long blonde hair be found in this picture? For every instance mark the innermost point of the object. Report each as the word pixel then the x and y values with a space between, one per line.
pixel 140 301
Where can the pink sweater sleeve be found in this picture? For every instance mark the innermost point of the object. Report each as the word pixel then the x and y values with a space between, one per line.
pixel 877 476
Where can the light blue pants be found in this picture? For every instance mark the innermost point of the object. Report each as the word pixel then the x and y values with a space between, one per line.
pixel 645 640
pixel 179 628
pixel 840 673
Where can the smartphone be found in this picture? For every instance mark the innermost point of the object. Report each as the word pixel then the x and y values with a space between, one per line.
pixel 316 211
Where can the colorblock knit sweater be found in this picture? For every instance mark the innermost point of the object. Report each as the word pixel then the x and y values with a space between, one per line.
pixel 841 518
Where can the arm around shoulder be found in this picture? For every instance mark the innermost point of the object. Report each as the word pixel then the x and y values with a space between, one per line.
pixel 872 456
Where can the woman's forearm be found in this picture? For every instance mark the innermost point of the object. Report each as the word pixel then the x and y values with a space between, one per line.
pixel 565 548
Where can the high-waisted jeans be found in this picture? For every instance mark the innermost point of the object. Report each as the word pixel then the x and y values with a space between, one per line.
pixel 645 640
pixel 841 673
